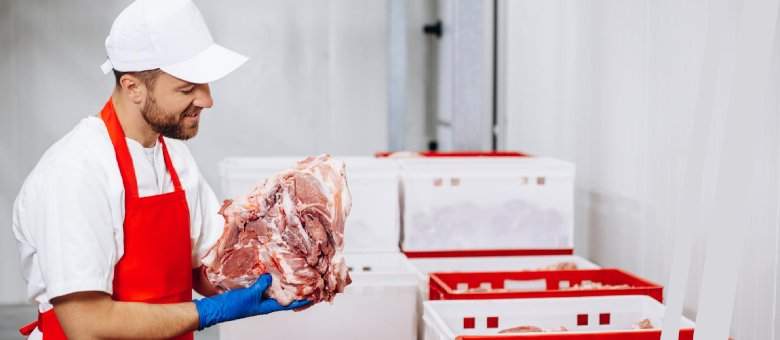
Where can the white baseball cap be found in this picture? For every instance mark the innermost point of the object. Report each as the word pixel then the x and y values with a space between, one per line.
pixel 170 35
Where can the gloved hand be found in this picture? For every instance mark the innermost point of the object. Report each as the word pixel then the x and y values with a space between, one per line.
pixel 240 303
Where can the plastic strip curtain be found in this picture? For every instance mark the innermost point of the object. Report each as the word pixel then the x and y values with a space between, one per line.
pixel 742 179
pixel 712 84
pixel 667 110
pixel 734 93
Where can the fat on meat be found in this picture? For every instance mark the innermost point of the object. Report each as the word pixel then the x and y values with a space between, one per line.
pixel 290 226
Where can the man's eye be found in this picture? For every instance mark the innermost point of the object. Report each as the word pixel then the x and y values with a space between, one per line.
pixel 188 90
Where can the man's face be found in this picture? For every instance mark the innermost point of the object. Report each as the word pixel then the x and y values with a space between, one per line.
pixel 173 106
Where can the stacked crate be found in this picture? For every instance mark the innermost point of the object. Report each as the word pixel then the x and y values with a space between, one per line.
pixel 381 303
pixel 487 237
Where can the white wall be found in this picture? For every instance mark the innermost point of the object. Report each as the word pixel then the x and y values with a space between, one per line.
pixel 615 86
pixel 47 59
pixel 317 82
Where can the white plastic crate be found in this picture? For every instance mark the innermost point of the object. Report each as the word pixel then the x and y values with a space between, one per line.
pixel 447 320
pixel 475 203
pixel 373 224
pixel 379 304
pixel 422 267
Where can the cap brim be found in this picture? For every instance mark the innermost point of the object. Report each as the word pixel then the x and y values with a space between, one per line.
pixel 210 65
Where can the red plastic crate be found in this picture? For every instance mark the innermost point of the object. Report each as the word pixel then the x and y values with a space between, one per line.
pixel 382 154
pixel 444 286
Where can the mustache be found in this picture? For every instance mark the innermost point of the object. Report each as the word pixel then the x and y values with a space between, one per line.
pixel 191 110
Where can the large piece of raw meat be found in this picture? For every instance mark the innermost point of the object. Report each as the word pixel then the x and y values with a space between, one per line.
pixel 291 226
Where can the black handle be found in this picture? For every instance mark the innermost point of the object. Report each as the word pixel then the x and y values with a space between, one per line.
pixel 434 29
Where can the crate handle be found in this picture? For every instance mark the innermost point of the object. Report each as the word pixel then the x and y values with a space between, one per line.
pixel 582 320
pixel 469 322
pixel 604 319
pixel 492 322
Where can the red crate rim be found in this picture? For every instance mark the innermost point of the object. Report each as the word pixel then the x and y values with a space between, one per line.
pixel 634 334
pixel 415 254
pixel 441 289
pixel 465 153
pixel 436 276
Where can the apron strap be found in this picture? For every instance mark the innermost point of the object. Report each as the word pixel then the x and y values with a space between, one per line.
pixel 27 329
pixel 169 166
pixel 48 324
pixel 123 158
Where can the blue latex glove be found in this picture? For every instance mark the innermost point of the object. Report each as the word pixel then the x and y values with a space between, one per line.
pixel 240 303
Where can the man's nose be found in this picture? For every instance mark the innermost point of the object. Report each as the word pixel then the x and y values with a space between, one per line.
pixel 203 96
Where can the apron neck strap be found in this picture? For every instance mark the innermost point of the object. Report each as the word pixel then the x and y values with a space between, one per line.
pixel 169 166
pixel 123 158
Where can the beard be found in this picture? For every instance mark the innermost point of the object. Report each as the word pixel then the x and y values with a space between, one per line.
pixel 171 125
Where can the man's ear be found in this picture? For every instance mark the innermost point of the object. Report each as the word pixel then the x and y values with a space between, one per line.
pixel 134 87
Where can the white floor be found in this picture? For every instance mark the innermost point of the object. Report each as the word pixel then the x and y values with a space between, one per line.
pixel 14 316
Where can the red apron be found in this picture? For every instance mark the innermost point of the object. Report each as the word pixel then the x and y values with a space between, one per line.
pixel 156 265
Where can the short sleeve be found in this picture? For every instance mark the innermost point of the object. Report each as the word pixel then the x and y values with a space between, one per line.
pixel 208 223
pixel 68 216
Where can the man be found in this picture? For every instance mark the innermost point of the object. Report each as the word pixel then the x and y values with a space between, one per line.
pixel 112 222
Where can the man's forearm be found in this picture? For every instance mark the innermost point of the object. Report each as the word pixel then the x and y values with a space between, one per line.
pixel 93 315
pixel 143 320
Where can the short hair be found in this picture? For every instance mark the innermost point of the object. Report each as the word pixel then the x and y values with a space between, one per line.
pixel 148 77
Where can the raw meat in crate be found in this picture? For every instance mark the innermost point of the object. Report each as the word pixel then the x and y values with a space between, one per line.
pixel 642 324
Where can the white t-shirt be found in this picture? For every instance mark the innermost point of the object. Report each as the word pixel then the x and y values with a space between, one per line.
pixel 69 214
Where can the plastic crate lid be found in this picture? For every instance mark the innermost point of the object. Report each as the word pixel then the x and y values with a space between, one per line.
pixel 374 221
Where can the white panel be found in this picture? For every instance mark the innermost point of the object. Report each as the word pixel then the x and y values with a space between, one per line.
pixel 465 82
pixel 397 17
pixel 419 69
